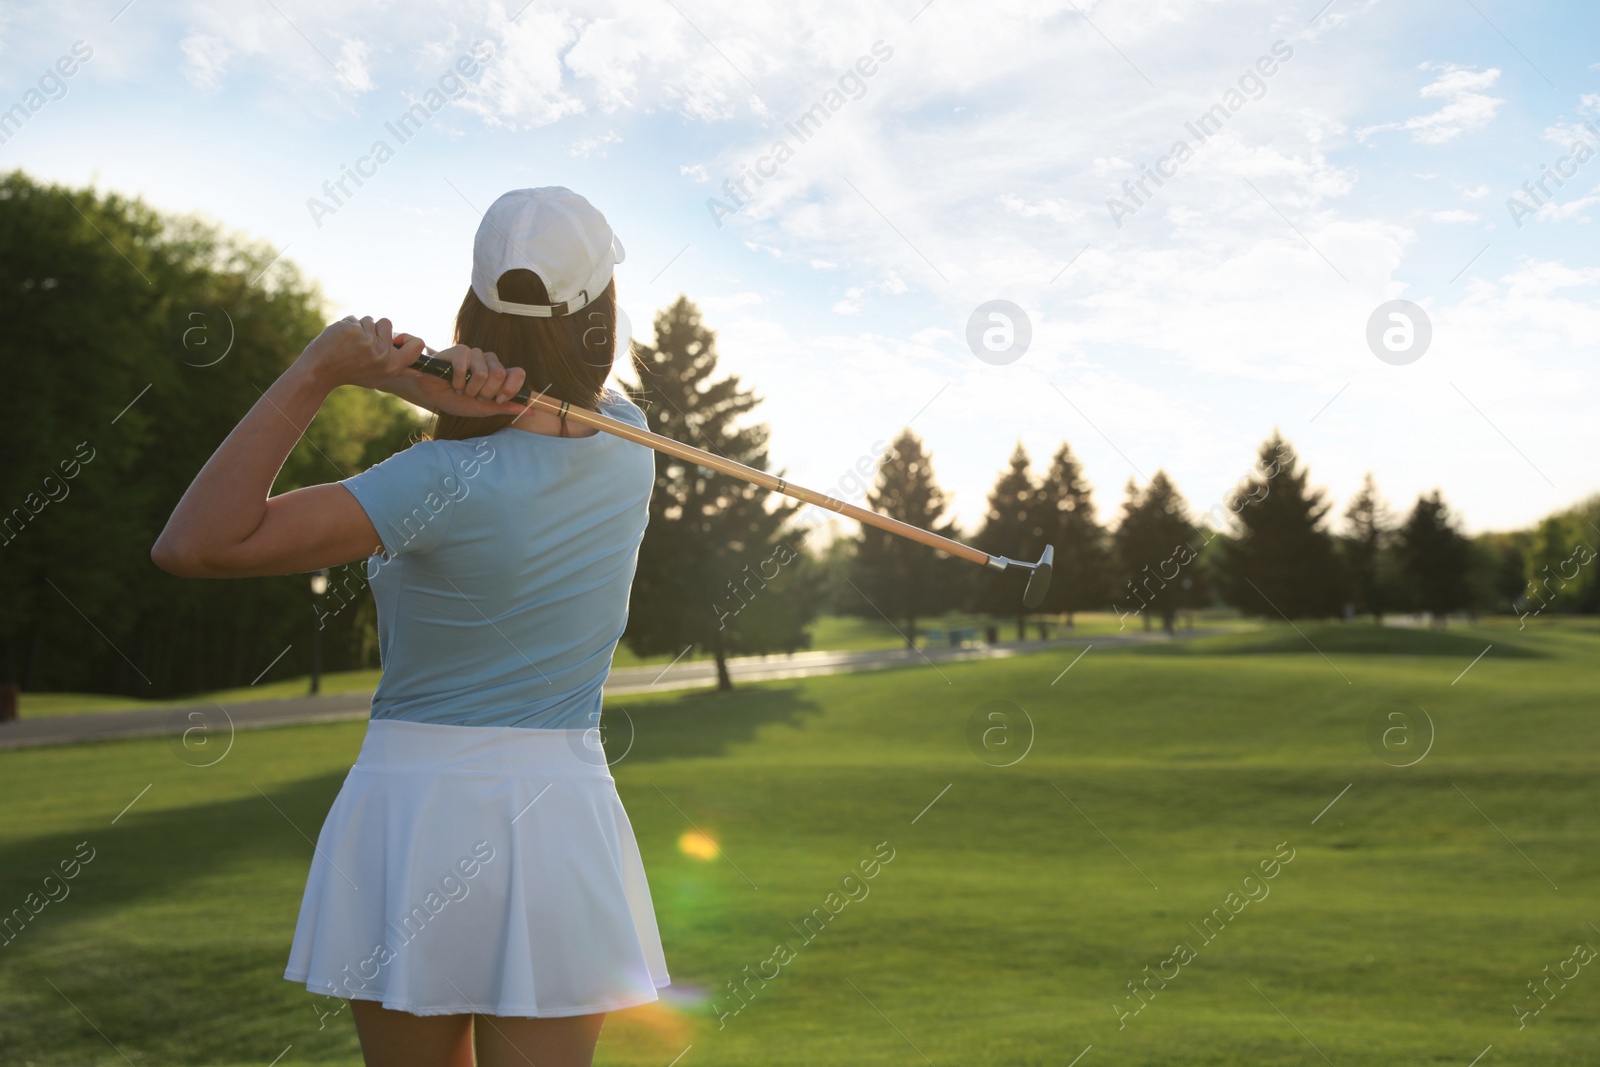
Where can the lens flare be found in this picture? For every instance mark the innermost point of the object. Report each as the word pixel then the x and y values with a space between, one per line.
pixel 698 845
pixel 660 1029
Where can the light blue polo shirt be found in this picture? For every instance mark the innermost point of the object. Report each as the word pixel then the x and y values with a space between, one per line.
pixel 503 587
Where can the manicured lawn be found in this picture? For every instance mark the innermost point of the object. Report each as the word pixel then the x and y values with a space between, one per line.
pixel 35 705
pixel 1418 904
pixel 835 633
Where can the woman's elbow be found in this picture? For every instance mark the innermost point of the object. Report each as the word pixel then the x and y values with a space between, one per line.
pixel 174 558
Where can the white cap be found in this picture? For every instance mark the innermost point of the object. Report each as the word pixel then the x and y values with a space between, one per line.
pixel 553 232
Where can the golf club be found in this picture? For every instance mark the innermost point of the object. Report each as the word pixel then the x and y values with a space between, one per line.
pixel 1039 573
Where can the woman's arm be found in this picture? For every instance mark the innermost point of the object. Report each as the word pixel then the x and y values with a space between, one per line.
pixel 226 525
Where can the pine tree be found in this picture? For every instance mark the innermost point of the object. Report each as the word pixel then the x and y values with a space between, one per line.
pixel 1082 578
pixel 717 567
pixel 1435 558
pixel 1369 527
pixel 898 578
pixel 1155 553
pixel 1013 526
pixel 1281 561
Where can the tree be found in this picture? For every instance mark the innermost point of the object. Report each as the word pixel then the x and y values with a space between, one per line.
pixel 1560 556
pixel 1155 552
pixel 1498 574
pixel 1281 561
pixel 1014 525
pixel 134 342
pixel 898 578
pixel 831 567
pixel 1082 577
pixel 1435 558
pixel 718 567
pixel 1369 530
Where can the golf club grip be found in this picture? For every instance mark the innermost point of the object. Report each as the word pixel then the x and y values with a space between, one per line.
pixel 441 368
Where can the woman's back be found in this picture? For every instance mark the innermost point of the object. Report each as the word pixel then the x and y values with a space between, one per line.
pixel 504 589
pixel 502 585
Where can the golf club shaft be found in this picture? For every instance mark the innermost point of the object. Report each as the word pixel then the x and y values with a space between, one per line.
pixel 442 368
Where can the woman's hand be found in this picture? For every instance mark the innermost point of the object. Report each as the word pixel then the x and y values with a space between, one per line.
pixel 369 353
pixel 356 352
pixel 481 385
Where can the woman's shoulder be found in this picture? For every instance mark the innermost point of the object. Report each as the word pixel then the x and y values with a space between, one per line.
pixel 444 450
pixel 436 457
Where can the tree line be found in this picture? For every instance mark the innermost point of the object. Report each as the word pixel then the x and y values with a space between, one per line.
pixel 724 570
pixel 1273 547
pixel 137 338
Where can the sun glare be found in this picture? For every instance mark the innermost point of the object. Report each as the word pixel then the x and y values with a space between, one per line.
pixel 699 845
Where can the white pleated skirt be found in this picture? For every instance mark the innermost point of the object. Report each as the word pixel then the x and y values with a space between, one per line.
pixel 488 870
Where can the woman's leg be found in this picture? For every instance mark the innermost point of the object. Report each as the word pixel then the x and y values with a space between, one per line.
pixel 506 1041
pixel 399 1039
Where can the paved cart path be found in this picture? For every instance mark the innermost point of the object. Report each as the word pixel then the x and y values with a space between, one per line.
pixel 694 674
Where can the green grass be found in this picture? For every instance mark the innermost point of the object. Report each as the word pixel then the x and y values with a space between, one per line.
pixel 1007 924
pixel 1357 639
pixel 834 633
pixel 37 705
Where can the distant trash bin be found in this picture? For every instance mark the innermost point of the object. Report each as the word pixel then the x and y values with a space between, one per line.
pixel 991 635
pixel 8 701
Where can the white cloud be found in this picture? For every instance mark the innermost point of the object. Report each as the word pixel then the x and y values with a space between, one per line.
pixel 1467 108
pixel 695 171
pixel 648 57
pixel 851 304
pixel 1477 192
pixel 1570 209
pixel 352 64
pixel 594 145
pixel 205 60
pixel 1055 210
pixel 524 86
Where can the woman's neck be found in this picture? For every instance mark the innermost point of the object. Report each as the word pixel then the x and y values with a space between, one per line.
pixel 539 421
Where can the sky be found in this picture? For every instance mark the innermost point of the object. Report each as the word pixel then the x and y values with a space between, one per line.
pixel 1185 284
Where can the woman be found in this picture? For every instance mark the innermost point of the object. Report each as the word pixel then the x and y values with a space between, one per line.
pixel 476 882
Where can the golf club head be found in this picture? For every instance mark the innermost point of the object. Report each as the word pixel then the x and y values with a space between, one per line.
pixel 1039 580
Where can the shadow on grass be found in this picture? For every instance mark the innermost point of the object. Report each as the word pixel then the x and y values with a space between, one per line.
pixel 1357 639
pixel 133 948
pixel 699 723
pixel 133 943
pixel 155 854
